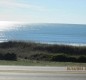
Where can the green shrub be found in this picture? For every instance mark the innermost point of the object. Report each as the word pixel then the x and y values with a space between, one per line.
pixel 10 56
pixel 82 59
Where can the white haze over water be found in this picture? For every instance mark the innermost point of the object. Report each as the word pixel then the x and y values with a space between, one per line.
pixel 7 25
pixel 10 25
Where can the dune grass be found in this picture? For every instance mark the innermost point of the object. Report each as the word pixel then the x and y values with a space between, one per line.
pixel 25 53
pixel 39 63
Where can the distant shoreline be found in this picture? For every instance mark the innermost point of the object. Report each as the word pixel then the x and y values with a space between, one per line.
pixel 69 44
pixel 53 43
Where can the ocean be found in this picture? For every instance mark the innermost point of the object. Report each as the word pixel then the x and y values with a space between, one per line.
pixel 52 33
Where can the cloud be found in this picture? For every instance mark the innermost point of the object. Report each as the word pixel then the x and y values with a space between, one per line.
pixel 15 4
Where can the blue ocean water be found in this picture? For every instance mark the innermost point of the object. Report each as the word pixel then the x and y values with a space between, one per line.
pixel 47 33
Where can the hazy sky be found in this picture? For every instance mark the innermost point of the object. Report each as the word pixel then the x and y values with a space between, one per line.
pixel 43 11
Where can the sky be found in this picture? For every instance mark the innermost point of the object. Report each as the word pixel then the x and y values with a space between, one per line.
pixel 43 11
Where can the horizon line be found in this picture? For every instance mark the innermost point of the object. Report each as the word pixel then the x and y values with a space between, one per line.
pixel 43 22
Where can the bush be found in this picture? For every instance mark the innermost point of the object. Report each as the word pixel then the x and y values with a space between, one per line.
pixel 71 59
pixel 1 56
pixel 40 56
pixel 60 58
pixel 82 59
pixel 10 56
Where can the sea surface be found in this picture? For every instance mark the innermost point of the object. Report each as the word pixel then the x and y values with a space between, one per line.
pixel 46 33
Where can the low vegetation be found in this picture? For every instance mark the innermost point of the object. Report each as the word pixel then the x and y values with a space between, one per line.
pixel 15 50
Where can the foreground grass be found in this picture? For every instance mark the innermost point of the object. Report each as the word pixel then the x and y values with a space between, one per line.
pixel 39 63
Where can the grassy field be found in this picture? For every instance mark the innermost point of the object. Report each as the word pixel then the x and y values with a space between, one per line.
pixel 39 63
pixel 31 53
